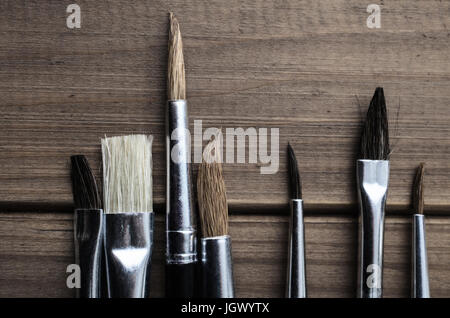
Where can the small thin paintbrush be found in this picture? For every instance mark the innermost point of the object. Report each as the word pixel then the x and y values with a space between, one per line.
pixel 420 283
pixel 88 227
pixel 181 240
pixel 128 202
pixel 372 171
pixel 216 261
pixel 296 270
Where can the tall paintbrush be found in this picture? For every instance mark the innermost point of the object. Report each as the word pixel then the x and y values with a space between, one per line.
pixel 128 202
pixel 88 227
pixel 372 171
pixel 420 284
pixel 296 271
pixel 181 248
pixel 216 263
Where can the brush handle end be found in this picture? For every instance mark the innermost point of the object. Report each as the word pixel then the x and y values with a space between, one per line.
pixel 180 280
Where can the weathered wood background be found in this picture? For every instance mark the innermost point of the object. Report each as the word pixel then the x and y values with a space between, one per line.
pixel 307 67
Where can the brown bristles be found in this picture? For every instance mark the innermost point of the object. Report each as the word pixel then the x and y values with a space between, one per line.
pixel 294 175
pixel 211 193
pixel 176 83
pixel 84 186
pixel 418 190
pixel 375 135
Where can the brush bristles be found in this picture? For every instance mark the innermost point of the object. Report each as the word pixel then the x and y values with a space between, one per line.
pixel 418 190
pixel 127 174
pixel 375 135
pixel 211 192
pixel 176 83
pixel 84 186
pixel 295 185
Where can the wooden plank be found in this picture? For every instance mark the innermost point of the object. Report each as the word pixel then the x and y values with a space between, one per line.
pixel 35 249
pixel 296 65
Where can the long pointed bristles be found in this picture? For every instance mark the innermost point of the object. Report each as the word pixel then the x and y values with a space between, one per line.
pixel 176 83
pixel 84 186
pixel 375 135
pixel 294 175
pixel 418 190
pixel 211 192
pixel 127 174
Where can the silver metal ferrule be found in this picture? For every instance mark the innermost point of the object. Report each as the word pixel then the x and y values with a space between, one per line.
pixel 420 284
pixel 88 235
pixel 372 186
pixel 128 249
pixel 217 267
pixel 296 269
pixel 181 238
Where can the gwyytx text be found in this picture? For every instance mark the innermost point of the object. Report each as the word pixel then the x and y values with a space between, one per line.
pixel 228 308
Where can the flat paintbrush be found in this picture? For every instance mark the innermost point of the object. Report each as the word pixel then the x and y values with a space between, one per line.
pixel 128 203
pixel 372 171
pixel 420 282
pixel 181 241
pixel 88 227
pixel 296 270
pixel 215 244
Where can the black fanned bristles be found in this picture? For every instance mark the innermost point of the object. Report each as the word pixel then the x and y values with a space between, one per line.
pixel 294 175
pixel 84 186
pixel 375 134
pixel 418 199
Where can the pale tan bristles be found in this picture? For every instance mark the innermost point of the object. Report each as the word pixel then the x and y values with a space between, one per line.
pixel 127 174
pixel 176 83
pixel 418 190
pixel 211 192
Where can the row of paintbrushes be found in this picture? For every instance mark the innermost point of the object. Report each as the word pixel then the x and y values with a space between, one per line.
pixel 125 228
pixel 122 230
pixel 372 171
pixel 125 224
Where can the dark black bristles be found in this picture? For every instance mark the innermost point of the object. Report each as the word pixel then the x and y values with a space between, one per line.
pixel 294 175
pixel 375 134
pixel 84 186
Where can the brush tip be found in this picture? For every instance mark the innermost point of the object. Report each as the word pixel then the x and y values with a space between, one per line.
pixel 375 134
pixel 176 82
pixel 418 189
pixel 211 193
pixel 174 26
pixel 294 174
pixel 84 186
pixel 127 173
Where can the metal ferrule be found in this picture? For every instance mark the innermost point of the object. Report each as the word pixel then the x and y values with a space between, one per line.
pixel 372 187
pixel 88 231
pixel 128 249
pixel 296 270
pixel 180 224
pixel 217 267
pixel 420 283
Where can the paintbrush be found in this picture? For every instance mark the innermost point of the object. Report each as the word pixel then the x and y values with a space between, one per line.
pixel 181 241
pixel 215 244
pixel 372 171
pixel 128 204
pixel 420 283
pixel 296 271
pixel 88 227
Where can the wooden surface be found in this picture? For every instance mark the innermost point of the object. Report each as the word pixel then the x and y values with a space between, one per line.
pixel 306 67
pixel 37 247
pixel 300 66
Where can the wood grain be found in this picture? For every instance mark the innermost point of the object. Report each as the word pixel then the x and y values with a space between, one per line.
pixel 307 67
pixel 35 249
